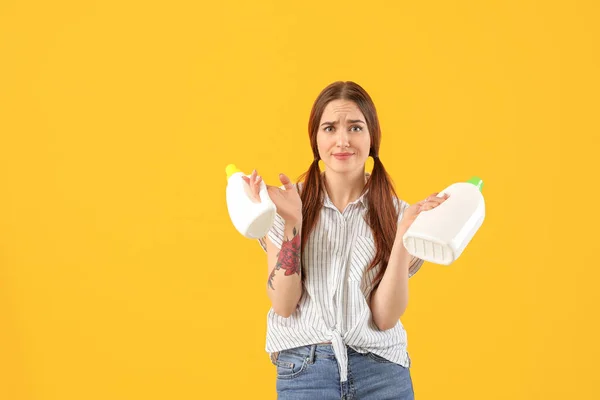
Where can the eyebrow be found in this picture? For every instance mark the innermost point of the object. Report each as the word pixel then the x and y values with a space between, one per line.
pixel 351 121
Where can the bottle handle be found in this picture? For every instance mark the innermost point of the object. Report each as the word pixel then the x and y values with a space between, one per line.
pixel 264 195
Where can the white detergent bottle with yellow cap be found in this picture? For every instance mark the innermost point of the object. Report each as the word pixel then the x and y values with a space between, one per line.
pixel 441 234
pixel 251 218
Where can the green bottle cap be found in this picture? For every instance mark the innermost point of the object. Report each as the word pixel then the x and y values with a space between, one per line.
pixel 477 182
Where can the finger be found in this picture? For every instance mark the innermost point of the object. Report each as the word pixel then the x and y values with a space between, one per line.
pixel 256 185
pixel 427 206
pixel 253 175
pixel 431 204
pixel 246 179
pixel 256 188
pixel 432 196
pixel 273 190
pixel 286 182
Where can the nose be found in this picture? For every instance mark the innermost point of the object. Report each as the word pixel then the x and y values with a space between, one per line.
pixel 342 139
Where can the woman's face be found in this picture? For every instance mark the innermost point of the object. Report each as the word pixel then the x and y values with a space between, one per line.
pixel 343 139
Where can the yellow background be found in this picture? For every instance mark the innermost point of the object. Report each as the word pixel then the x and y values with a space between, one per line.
pixel 121 276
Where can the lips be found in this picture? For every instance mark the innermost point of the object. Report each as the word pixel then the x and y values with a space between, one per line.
pixel 343 156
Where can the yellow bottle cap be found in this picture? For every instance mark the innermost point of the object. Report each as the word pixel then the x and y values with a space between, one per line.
pixel 231 169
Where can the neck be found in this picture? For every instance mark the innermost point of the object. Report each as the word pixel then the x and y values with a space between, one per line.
pixel 344 188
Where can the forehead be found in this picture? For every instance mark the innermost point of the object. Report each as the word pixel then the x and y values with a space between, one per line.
pixel 341 108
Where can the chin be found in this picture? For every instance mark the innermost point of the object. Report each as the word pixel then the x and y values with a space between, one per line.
pixel 341 168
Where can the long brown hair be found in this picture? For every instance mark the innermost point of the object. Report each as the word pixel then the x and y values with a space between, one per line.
pixel 382 215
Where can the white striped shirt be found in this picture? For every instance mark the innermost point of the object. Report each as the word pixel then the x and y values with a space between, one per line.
pixel 333 307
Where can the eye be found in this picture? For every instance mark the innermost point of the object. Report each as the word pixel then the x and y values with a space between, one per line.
pixel 356 128
pixel 328 128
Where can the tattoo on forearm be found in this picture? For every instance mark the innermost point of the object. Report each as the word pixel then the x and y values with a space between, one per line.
pixel 288 258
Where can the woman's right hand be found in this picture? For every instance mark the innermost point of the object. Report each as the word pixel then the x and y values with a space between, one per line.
pixel 287 201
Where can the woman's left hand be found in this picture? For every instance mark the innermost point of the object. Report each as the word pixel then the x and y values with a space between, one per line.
pixel 412 212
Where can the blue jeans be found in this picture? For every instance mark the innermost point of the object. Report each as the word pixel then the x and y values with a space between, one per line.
pixel 311 372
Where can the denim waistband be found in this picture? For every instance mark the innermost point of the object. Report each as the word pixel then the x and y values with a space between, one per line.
pixel 315 351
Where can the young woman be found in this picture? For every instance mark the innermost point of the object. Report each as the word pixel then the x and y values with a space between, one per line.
pixel 337 268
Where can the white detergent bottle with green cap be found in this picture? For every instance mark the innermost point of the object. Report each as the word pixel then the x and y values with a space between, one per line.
pixel 441 234
pixel 251 218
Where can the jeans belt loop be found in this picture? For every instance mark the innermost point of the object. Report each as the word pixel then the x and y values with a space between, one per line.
pixel 311 357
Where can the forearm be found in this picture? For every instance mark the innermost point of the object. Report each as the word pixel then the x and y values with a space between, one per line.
pixel 390 299
pixel 284 286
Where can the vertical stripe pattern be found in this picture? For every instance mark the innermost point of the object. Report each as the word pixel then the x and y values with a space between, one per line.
pixel 333 307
